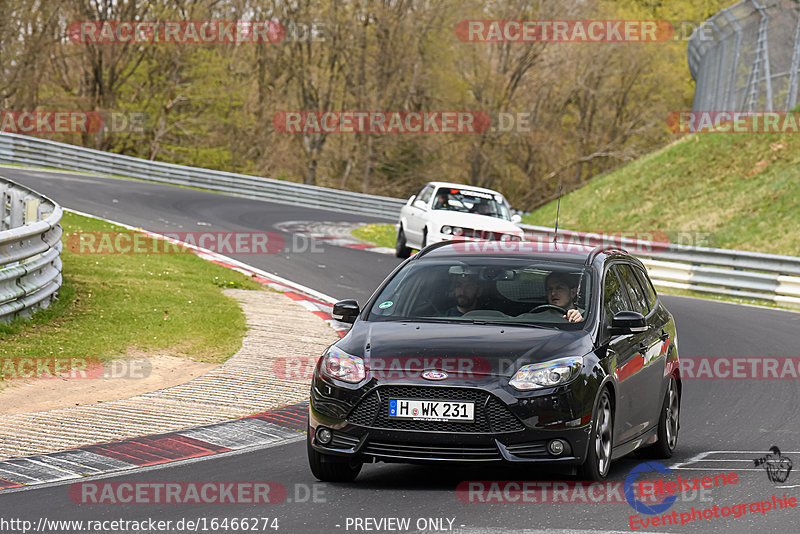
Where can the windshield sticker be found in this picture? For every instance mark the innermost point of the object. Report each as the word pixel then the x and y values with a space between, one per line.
pixel 387 304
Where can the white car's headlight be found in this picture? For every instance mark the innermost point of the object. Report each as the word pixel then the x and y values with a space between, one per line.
pixel 547 374
pixel 447 230
pixel 342 366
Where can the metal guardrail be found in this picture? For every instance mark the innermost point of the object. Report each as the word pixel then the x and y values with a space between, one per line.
pixel 709 270
pixel 20 149
pixel 704 269
pixel 30 251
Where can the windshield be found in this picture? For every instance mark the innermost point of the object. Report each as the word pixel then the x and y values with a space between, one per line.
pixel 483 290
pixel 467 201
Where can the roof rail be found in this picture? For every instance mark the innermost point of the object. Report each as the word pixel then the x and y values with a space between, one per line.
pixel 600 249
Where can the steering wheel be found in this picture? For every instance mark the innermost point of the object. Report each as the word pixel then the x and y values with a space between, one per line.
pixel 543 307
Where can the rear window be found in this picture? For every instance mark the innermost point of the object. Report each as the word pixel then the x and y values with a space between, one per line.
pixel 486 290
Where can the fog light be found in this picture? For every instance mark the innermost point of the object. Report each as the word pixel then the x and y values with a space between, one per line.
pixel 556 447
pixel 324 435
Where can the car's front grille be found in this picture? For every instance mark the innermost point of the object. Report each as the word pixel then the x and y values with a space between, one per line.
pixel 404 451
pixel 491 415
pixel 480 234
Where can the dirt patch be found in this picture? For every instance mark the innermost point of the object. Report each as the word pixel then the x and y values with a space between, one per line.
pixel 134 374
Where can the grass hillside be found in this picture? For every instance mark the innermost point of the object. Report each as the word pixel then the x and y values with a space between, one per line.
pixel 741 190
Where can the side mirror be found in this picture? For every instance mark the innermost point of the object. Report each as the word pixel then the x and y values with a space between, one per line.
pixel 420 204
pixel 346 311
pixel 627 322
pixel 411 200
pixel 516 218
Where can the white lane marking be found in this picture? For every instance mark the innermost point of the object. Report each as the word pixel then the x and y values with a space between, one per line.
pixel 703 458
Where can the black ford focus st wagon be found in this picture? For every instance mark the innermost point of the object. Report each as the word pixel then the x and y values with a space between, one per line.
pixel 499 352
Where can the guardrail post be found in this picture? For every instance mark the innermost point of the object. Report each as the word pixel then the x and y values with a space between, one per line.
pixel 5 208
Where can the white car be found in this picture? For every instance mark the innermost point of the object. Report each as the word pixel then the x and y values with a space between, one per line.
pixel 442 211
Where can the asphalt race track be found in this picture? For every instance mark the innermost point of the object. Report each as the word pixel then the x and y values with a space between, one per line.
pixel 725 424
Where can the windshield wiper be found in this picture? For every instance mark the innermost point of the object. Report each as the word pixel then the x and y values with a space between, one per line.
pixel 512 323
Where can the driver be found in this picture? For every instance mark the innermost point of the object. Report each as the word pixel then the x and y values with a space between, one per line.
pixel 442 201
pixel 562 289
pixel 468 291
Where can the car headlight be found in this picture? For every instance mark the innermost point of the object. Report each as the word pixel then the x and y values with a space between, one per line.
pixel 547 374
pixel 342 366
pixel 447 229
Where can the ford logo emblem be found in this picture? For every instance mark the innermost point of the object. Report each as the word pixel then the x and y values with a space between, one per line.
pixel 434 374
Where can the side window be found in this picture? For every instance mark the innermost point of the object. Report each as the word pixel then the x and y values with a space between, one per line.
pixel 635 291
pixel 425 194
pixel 649 291
pixel 615 298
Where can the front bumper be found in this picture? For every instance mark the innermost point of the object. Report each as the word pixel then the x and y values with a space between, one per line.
pixel 506 429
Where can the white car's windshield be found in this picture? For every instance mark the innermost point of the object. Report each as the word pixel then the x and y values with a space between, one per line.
pixel 467 201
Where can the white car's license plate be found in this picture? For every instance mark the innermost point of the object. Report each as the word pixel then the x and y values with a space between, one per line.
pixel 423 410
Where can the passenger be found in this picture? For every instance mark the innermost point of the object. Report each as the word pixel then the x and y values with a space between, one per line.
pixel 468 291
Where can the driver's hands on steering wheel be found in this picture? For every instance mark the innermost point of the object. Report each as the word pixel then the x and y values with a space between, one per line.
pixel 573 315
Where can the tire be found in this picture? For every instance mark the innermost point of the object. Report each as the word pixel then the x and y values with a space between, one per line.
pixel 400 248
pixel 329 468
pixel 598 459
pixel 668 425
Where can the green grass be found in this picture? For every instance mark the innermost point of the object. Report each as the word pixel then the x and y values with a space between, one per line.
pixel 110 303
pixel 742 190
pixel 382 235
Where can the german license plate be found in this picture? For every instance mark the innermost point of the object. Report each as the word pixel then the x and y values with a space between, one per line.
pixel 424 410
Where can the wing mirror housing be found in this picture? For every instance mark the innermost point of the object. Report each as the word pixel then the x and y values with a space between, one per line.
pixel 516 218
pixel 410 200
pixel 346 311
pixel 627 322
